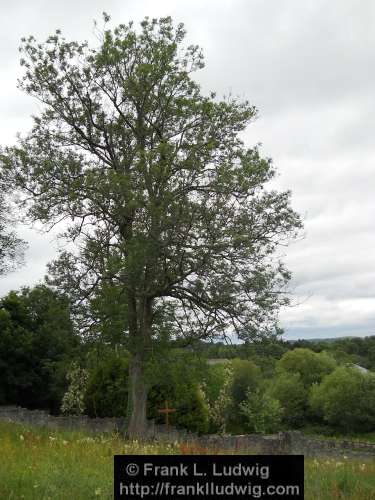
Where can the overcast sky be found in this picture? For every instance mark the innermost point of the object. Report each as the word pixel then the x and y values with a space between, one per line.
pixel 309 68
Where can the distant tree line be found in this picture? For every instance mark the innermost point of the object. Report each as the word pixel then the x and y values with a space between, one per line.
pixel 357 350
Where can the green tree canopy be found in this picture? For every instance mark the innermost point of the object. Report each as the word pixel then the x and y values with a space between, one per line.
pixel 262 412
pixel 246 379
pixel 177 379
pixel 292 395
pixel 310 366
pixel 164 200
pixel 346 399
pixel 107 388
pixel 37 341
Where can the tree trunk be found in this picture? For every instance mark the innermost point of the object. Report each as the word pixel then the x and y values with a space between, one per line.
pixel 137 399
pixel 140 336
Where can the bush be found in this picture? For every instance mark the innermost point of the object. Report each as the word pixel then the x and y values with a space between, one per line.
pixel 262 412
pixel 246 378
pixel 188 401
pixel 346 400
pixel 177 379
pixel 107 388
pixel 73 400
pixel 292 395
pixel 217 387
pixel 214 378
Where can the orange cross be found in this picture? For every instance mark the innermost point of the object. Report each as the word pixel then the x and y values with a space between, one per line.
pixel 166 412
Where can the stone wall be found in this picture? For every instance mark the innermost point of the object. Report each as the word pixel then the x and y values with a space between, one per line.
pixel 315 447
pixel 44 419
pixel 284 443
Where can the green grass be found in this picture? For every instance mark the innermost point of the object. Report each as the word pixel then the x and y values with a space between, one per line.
pixel 42 464
pixel 339 479
pixel 326 432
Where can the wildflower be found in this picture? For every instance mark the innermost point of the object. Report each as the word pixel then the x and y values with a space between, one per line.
pixel 86 440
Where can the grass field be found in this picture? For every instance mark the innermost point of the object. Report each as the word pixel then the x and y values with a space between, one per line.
pixel 42 464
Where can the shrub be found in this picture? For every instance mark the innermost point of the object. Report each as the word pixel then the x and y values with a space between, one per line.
pixel 177 379
pixel 188 401
pixel 107 388
pixel 262 412
pixel 73 400
pixel 219 397
pixel 346 400
pixel 246 377
pixel 292 395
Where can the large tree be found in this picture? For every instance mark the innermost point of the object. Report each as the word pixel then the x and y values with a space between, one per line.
pixel 168 208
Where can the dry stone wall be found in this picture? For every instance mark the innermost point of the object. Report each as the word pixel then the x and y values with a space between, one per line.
pixel 284 443
pixel 42 418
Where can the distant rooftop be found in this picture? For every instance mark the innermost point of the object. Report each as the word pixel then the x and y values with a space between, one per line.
pixel 217 361
pixel 360 368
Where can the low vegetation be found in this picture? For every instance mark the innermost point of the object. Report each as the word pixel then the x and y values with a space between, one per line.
pixel 40 464
pixel 339 479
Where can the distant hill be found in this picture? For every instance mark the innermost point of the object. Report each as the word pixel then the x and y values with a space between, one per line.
pixel 330 339
pixel 333 339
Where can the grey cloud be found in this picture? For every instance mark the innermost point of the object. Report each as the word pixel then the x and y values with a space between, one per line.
pixel 293 55
pixel 42 249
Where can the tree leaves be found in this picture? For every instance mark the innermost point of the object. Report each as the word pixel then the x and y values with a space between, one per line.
pixel 168 205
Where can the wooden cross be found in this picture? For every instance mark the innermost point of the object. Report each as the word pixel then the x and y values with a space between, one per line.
pixel 166 412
